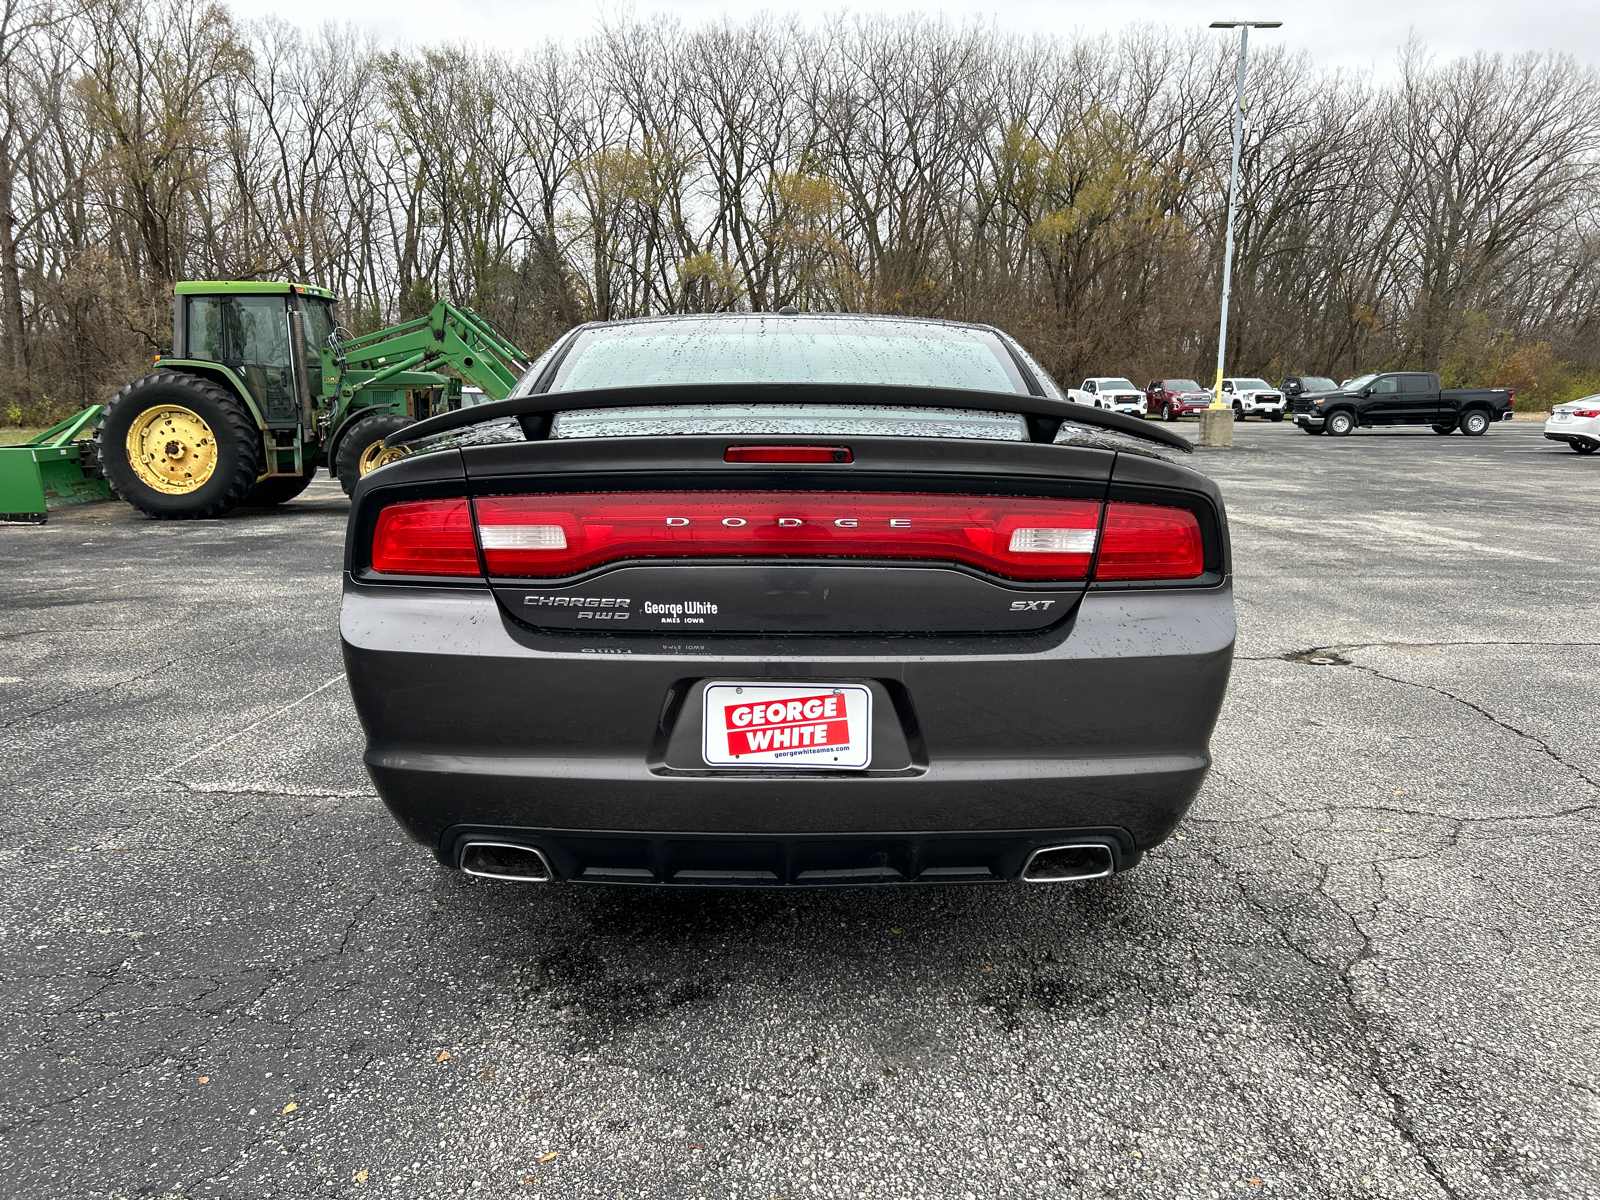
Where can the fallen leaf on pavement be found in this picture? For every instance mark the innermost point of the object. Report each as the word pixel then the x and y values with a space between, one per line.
pixel 361 1175
pixel 290 1107
pixel 205 1079
pixel 548 1155
pixel 444 1056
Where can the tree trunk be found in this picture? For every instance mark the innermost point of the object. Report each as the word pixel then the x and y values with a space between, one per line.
pixel 10 277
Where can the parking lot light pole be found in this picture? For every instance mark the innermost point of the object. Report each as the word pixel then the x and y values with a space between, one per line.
pixel 1244 28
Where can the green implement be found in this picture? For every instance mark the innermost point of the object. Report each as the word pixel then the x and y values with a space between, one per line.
pixel 56 468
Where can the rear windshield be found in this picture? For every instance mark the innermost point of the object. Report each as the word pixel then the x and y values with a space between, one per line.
pixel 796 420
pixel 774 349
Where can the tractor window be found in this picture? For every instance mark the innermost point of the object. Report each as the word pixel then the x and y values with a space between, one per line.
pixel 205 328
pixel 258 339
pixel 316 318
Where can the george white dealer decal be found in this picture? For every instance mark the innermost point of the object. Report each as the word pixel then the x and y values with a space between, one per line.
pixel 784 725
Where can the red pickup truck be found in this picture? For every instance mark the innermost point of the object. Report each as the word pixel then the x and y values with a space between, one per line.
pixel 1173 398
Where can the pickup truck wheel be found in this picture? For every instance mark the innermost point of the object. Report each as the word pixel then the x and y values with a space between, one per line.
pixel 1340 424
pixel 1277 416
pixel 1475 423
pixel 1166 412
pixel 1314 431
pixel 1445 427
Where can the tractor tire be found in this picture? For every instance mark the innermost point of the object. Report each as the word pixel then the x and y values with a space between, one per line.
pixel 1339 424
pixel 1474 422
pixel 362 450
pixel 277 489
pixel 178 447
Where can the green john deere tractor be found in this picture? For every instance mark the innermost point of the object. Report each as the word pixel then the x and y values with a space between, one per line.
pixel 262 388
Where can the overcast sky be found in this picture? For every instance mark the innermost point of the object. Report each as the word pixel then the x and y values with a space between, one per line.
pixel 1345 33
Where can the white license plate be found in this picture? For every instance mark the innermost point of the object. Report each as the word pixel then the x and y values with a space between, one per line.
pixel 1561 416
pixel 826 726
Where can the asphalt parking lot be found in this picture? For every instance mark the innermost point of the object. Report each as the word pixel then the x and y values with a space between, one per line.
pixel 1370 966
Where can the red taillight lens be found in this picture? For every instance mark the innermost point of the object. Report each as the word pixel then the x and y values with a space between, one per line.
pixel 425 537
pixel 787 454
pixel 1586 413
pixel 1149 541
pixel 1018 537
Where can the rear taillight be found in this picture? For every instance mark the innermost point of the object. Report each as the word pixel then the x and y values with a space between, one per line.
pixel 425 537
pixel 1017 537
pixel 1586 413
pixel 1031 538
pixel 1150 541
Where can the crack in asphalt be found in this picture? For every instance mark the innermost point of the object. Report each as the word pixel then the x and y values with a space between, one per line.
pixel 94 694
pixel 1399 1115
pixel 1315 651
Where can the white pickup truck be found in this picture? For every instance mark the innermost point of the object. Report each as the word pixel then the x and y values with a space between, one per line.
pixel 1109 391
pixel 1254 398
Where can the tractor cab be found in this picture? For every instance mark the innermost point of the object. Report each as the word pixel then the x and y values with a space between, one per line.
pixel 269 335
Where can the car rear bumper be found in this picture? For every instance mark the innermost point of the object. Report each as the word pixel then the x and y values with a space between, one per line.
pixel 765 860
pixel 1101 723
pixel 1574 437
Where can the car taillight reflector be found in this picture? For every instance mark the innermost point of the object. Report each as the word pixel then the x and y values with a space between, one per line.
pixel 787 454
pixel 1057 535
pixel 425 537
pixel 1150 541
pixel 1586 413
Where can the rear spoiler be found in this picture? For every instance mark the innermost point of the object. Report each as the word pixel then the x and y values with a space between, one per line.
pixel 1044 416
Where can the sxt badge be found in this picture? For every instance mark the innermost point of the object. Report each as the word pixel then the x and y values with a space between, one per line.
pixel 1030 605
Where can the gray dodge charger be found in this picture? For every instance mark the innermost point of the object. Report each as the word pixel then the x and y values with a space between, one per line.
pixel 787 600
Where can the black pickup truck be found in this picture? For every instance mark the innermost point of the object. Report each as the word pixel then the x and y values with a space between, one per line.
pixel 1401 398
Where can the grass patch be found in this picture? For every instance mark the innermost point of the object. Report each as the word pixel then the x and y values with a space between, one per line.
pixel 15 437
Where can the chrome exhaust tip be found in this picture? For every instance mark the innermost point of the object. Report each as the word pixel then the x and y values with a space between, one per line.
pixel 507 861
pixel 1066 864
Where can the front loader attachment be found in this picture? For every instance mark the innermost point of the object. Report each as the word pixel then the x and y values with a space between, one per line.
pixel 52 470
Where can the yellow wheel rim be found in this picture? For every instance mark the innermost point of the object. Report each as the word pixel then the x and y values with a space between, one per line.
pixel 172 449
pixel 378 455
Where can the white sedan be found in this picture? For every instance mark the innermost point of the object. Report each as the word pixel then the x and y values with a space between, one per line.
pixel 1577 423
pixel 1109 391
